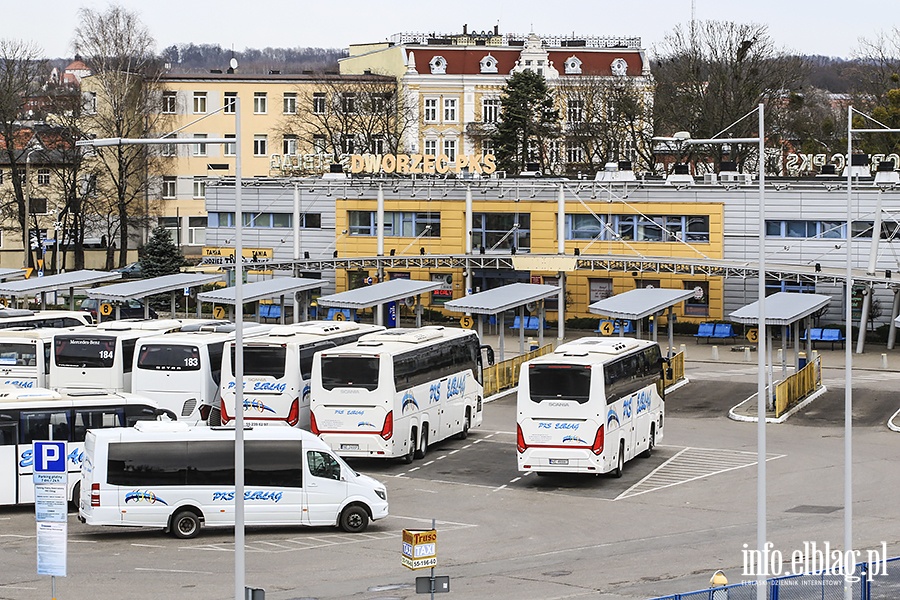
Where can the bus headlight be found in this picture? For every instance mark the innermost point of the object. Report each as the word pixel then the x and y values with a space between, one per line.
pixel 381 494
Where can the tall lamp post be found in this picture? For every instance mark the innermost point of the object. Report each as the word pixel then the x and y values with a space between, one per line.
pixel 761 393
pixel 848 352
pixel 239 563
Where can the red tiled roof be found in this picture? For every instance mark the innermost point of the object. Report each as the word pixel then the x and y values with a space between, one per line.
pixel 467 59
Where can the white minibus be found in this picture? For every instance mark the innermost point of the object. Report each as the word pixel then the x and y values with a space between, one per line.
pixel 277 369
pixel 589 407
pixel 22 317
pixel 101 357
pixel 25 356
pixel 181 477
pixel 33 414
pixel 181 371
pixel 393 393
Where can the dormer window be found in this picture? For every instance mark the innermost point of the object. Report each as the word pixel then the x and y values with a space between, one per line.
pixel 488 64
pixel 619 67
pixel 573 66
pixel 438 65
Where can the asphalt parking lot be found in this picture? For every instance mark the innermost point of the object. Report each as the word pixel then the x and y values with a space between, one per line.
pixel 664 527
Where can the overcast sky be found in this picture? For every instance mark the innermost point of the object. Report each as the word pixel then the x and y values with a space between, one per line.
pixel 801 26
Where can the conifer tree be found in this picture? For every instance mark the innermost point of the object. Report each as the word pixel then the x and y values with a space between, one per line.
pixel 528 122
pixel 161 256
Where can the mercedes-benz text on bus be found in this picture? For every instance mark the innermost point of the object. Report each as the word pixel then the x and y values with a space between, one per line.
pixel 33 414
pixel 277 369
pixel 393 393
pixel 180 477
pixel 589 407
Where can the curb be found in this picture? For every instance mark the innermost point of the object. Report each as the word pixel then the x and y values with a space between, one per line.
pixel 734 416
pixel 891 425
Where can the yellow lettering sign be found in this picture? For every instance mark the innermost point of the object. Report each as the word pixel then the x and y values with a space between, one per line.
pixel 419 164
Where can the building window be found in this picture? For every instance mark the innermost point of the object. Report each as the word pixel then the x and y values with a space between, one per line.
pixel 576 111
pixel 490 110
pixel 167 150
pixel 585 227
pixel 698 304
pixel 320 145
pixel 37 206
pixel 599 289
pixel 220 219
pixel 268 220
pixel 501 232
pixel 431 110
pixel 396 224
pixel 348 143
pixel 290 103
pixel 230 147
pixel 199 103
pixel 430 148
pixel 171 225
pixel 199 187
pixel 450 150
pixel 169 187
pixel 450 110
pixel 487 146
pixel 230 102
pixel 260 144
pixel 311 221
pixel 169 102
pixel 289 144
pixel 43 177
pixel 693 228
pixel 319 103
pixel 200 149
pixel 197 230
pixel 348 103
pixel 816 229
pixel 260 103
pixel 574 154
pixel 89 102
pixel 380 103
pixel 377 144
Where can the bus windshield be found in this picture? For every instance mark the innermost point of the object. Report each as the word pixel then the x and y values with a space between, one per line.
pixel 262 361
pixel 21 355
pixel 559 382
pixel 349 372
pixel 169 357
pixel 85 352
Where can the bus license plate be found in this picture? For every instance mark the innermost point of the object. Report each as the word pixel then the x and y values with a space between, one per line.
pixel 559 461
pixel 349 446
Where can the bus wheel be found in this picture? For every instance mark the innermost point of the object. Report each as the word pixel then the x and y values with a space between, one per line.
pixel 185 524
pixel 465 430
pixel 650 445
pixel 76 496
pixel 354 519
pixel 423 445
pixel 620 464
pixel 411 452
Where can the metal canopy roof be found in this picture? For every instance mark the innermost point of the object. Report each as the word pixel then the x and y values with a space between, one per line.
pixel 10 273
pixel 61 281
pixel 261 290
pixel 782 308
pixel 142 288
pixel 379 293
pixel 491 302
pixel 637 304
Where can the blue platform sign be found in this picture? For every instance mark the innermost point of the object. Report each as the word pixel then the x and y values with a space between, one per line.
pixel 392 314
pixel 49 462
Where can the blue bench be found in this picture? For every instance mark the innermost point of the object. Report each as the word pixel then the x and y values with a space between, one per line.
pixel 705 331
pixel 531 323
pixel 813 335
pixel 715 331
pixel 833 336
pixel 270 311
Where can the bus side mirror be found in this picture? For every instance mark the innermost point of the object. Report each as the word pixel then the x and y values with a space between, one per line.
pixel 489 352
pixel 669 373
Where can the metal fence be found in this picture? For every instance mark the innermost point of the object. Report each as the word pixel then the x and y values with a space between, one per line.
pixel 505 375
pixel 812 586
pixel 676 363
pixel 798 386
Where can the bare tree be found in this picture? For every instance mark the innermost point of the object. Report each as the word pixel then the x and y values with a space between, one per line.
pixel 712 74
pixel 877 89
pixel 123 98
pixel 22 68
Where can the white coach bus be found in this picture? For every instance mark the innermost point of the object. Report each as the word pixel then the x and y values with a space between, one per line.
pixel 277 368
pixel 27 415
pixel 180 477
pixel 589 407
pixel 182 370
pixel 23 317
pixel 101 357
pixel 393 393
pixel 25 356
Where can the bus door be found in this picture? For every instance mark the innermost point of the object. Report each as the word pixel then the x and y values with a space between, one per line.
pixel 325 490
pixel 9 459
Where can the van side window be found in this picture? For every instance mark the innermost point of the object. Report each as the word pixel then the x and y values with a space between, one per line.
pixel 322 464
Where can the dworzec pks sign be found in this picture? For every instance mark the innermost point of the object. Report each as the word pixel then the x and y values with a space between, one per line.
pixel 419 549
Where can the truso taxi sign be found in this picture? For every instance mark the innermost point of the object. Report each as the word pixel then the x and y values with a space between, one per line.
pixel 419 549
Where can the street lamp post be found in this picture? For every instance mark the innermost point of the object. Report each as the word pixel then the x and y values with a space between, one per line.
pixel 761 392
pixel 239 563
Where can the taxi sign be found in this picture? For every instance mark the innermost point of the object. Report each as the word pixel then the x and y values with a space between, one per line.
pixel 419 549
pixel 606 327
pixel 466 322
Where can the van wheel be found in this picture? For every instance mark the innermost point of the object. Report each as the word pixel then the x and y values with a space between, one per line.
pixel 354 519
pixel 185 524
pixel 76 496
pixel 422 450
pixel 215 417
pixel 411 451
pixel 465 430
pixel 620 464
pixel 649 451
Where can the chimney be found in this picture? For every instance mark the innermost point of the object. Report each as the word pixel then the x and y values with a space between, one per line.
pixel 496 30
pixel 465 28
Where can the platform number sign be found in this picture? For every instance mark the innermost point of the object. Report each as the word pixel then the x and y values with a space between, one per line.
pixel 466 322
pixel 753 335
pixel 606 327
pixel 106 309
pixel 219 312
